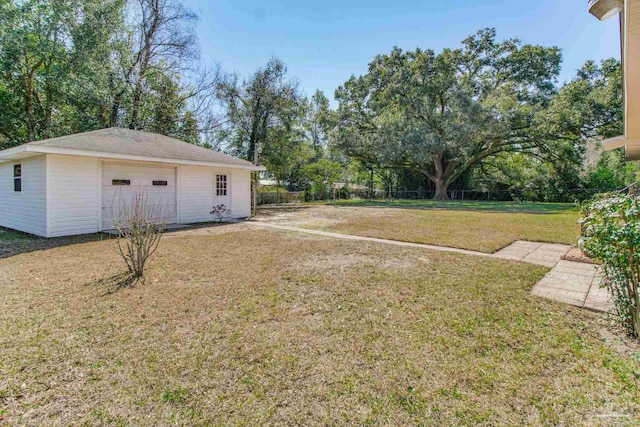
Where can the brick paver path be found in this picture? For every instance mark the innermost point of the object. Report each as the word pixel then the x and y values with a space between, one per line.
pixel 574 283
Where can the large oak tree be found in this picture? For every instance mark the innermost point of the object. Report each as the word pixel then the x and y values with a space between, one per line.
pixel 444 114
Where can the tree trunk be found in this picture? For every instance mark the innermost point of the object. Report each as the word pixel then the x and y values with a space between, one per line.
pixel 49 102
pixel 115 111
pixel 441 190
pixel 636 319
pixel 440 178
pixel 136 104
pixel 31 120
pixel 28 81
pixel 143 69
pixel 371 184
pixel 116 101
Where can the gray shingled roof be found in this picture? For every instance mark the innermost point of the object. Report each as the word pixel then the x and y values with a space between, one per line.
pixel 138 143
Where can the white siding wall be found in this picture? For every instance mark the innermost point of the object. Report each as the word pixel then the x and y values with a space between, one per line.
pixel 241 193
pixel 26 210
pixel 196 193
pixel 61 195
pixel 73 196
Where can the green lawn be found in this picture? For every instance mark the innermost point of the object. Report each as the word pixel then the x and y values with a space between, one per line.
pixel 260 327
pixel 7 235
pixel 479 226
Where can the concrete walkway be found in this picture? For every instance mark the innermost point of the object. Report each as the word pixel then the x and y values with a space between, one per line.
pixel 366 239
pixel 574 283
pixel 547 254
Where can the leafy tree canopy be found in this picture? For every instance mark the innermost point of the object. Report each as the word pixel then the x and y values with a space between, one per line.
pixel 259 108
pixel 443 114
pixel 69 66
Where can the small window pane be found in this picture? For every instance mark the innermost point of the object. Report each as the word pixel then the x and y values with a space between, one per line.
pixel 121 182
pixel 221 185
pixel 160 183
pixel 17 178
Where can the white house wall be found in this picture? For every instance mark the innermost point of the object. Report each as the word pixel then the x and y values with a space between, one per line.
pixel 25 210
pixel 61 195
pixel 73 195
pixel 241 193
pixel 195 194
pixel 196 186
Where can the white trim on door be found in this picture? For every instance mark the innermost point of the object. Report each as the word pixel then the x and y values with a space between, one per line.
pixel 228 202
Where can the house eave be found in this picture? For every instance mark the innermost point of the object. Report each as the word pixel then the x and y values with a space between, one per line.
pixel 631 146
pixel 14 153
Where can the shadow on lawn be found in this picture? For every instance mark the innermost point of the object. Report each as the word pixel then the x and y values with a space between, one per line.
pixel 479 206
pixel 118 281
pixel 275 210
pixel 14 243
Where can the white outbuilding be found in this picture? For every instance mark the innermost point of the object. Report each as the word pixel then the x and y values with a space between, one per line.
pixel 77 184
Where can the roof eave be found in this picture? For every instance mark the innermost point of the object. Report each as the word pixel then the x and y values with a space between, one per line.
pixel 613 143
pixel 11 153
pixel 6 154
pixel 631 146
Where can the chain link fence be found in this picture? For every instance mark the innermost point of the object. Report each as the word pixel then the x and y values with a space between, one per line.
pixel 558 195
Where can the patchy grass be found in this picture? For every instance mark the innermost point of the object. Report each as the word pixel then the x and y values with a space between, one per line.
pixel 459 225
pixel 7 235
pixel 263 327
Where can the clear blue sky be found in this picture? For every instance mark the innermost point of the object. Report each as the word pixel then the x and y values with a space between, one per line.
pixel 324 42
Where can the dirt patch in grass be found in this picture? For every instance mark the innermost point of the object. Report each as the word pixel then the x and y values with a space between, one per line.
pixel 267 327
pixel 208 229
pixel 484 231
pixel 324 263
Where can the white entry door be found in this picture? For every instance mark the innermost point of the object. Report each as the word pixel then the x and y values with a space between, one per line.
pixel 121 182
pixel 222 190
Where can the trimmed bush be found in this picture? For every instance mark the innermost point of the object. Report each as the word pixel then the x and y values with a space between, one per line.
pixel 611 229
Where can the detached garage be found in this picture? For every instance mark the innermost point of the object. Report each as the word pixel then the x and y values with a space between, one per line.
pixel 78 184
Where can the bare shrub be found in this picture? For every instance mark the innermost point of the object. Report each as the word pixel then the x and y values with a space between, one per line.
pixel 139 227
pixel 219 212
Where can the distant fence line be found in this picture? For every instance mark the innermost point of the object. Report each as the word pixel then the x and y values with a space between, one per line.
pixel 495 195
pixel 480 195
pixel 276 198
